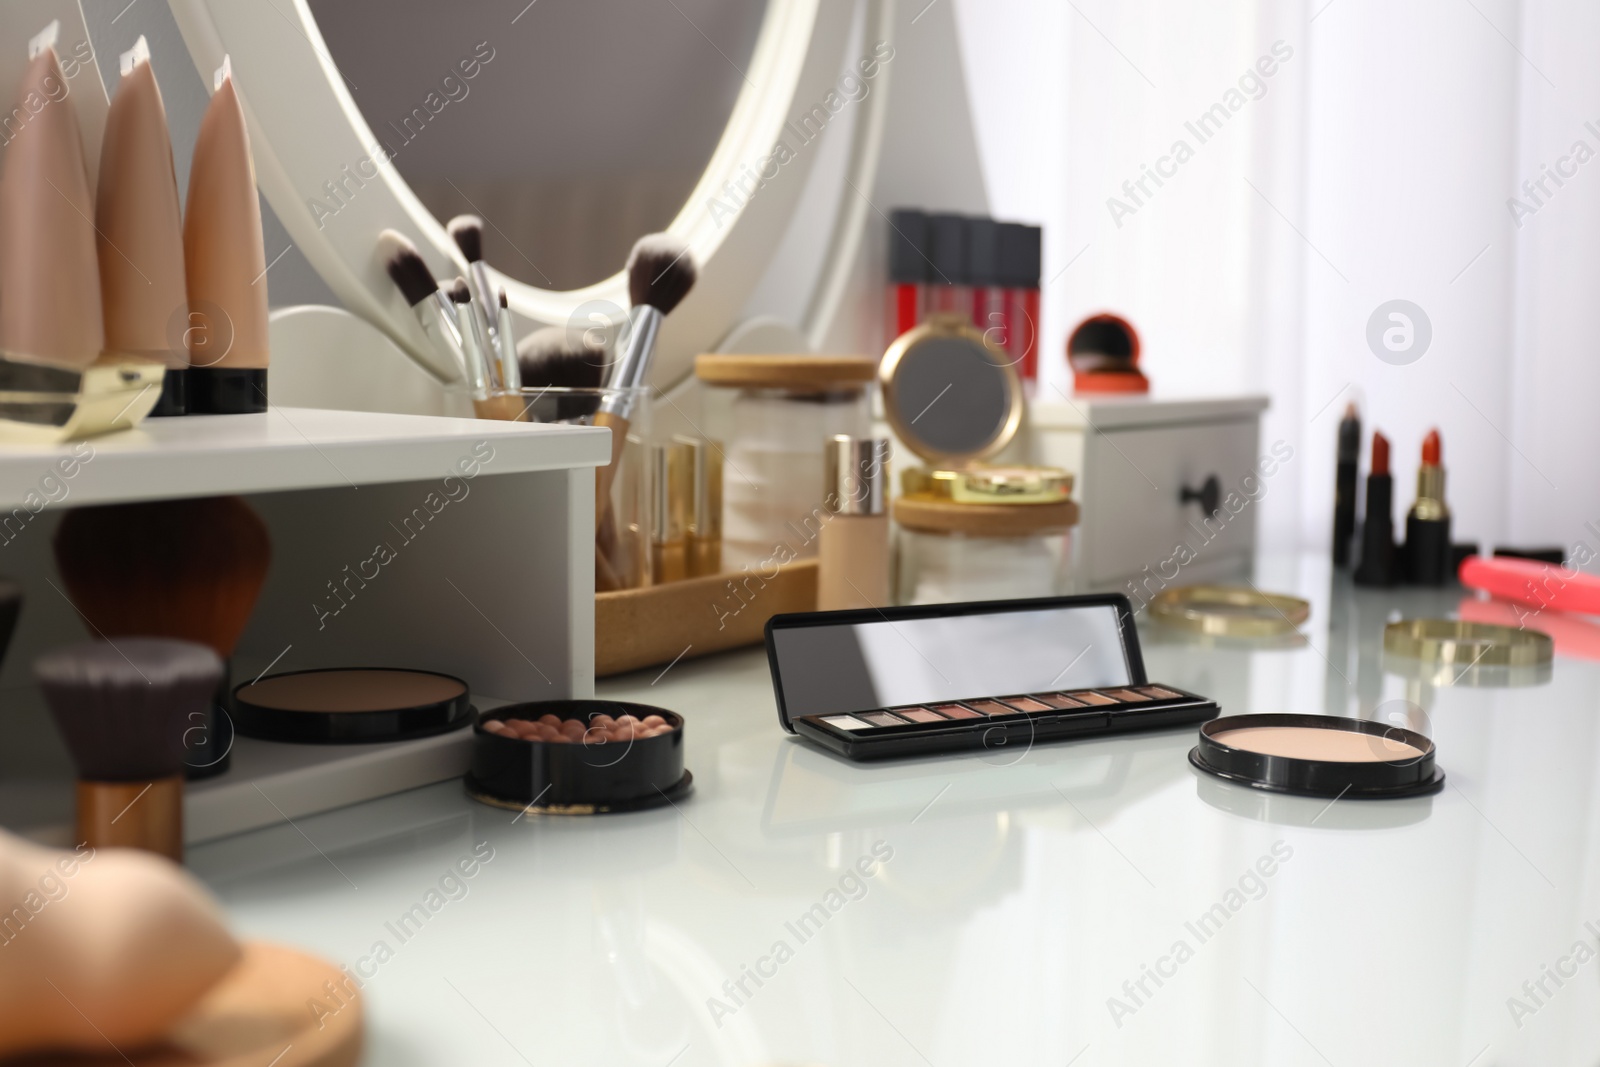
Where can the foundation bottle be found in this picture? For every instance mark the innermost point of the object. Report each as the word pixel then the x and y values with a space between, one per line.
pixel 853 545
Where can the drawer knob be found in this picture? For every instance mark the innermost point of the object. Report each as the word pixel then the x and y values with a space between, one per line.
pixel 1208 496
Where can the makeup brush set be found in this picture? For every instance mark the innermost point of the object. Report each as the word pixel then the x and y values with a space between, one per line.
pixel 167 310
pixel 557 374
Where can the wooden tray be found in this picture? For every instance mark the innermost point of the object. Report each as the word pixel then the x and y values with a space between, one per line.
pixel 658 624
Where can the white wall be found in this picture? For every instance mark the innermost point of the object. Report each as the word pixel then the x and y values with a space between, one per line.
pixel 1376 166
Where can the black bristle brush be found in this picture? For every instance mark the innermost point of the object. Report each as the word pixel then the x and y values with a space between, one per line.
pixel 661 271
pixel 123 708
pixel 433 309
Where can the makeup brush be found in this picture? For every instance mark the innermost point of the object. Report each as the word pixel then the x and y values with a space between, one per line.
pixel 510 372
pixel 185 569
pixel 1377 529
pixel 434 312
pixel 660 274
pixel 124 709
pixel 467 232
pixel 558 358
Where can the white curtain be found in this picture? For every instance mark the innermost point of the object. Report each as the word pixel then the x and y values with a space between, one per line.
pixel 1373 163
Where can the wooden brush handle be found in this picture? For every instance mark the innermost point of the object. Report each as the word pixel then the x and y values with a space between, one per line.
pixel 147 815
pixel 605 476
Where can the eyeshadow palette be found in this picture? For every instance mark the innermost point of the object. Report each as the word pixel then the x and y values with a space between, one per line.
pixel 909 681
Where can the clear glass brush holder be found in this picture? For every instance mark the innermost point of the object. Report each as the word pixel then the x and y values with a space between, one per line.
pixel 622 535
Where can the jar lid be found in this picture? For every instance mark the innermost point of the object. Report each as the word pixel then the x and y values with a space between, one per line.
pixel 929 514
pixel 800 372
pixel 1230 611
pixel 949 393
pixel 990 485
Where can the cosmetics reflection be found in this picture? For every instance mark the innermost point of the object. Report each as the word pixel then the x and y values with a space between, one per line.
pixel 1280 809
pixel 1573 635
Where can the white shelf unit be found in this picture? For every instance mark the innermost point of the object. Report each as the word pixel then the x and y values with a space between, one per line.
pixel 491 579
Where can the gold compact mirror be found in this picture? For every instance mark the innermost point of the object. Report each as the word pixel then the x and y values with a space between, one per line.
pixel 950 396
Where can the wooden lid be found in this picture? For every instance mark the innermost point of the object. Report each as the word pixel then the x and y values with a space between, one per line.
pixel 785 372
pixel 930 515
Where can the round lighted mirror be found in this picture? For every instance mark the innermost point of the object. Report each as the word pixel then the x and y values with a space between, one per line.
pixel 571 131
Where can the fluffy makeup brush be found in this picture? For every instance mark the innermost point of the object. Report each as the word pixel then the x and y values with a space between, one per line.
pixel 555 359
pixel 488 303
pixel 660 274
pixel 560 358
pixel 186 569
pixel 433 309
pixel 123 709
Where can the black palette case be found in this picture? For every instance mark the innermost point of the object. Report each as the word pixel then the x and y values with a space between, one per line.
pixel 878 684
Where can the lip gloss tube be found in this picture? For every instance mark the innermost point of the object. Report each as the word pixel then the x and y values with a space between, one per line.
pixel 948 289
pixel 908 272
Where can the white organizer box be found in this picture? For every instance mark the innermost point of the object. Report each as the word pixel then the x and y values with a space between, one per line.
pixel 489 577
pixel 1141 464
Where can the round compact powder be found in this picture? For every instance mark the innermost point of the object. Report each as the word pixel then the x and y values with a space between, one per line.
pixel 356 704
pixel 1301 742
pixel 359 690
pixel 1318 755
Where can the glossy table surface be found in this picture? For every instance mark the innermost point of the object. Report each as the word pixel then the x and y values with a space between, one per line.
pixel 1095 902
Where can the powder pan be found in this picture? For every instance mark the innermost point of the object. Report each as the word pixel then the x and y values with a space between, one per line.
pixel 1364 777
pixel 362 705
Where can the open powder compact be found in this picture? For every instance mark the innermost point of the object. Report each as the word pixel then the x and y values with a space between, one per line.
pixel 1319 756
pixel 910 681
pixel 351 705
pixel 578 757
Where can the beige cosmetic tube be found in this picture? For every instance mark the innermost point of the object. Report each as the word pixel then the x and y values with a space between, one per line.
pixel 142 285
pixel 226 264
pixel 49 270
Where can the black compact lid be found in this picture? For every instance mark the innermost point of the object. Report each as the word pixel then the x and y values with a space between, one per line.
pixel 908 247
pixel 947 248
pixel 449 708
pixel 1020 255
pixel 1383 779
pixel 983 252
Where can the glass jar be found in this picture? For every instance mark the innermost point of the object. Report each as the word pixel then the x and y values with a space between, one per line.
pixel 784 410
pixel 622 537
pixel 949 552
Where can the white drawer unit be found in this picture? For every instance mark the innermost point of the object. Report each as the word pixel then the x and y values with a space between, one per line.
pixel 1168 487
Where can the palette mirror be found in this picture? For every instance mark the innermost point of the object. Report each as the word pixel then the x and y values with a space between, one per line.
pixel 875 663
pixel 570 126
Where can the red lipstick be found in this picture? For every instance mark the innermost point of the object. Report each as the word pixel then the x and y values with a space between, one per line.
pixel 1427 551
pixel 1377 530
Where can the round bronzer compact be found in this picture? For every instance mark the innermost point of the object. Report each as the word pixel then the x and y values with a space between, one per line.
pixel 339 704
pixel 578 757
pixel 1318 756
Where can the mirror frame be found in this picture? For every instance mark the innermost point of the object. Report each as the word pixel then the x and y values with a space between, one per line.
pixel 285 76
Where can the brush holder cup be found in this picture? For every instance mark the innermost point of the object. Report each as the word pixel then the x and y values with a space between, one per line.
pixel 622 536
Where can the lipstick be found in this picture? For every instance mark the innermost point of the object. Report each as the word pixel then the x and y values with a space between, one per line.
pixel 1427 552
pixel 1377 531
pixel 1344 485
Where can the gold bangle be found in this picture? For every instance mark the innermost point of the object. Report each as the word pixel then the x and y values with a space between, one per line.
pixel 1230 611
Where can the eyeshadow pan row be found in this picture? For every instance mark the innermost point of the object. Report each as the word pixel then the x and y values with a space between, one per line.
pixel 994 708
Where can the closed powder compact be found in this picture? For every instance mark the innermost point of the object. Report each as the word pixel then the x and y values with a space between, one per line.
pixel 352 705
